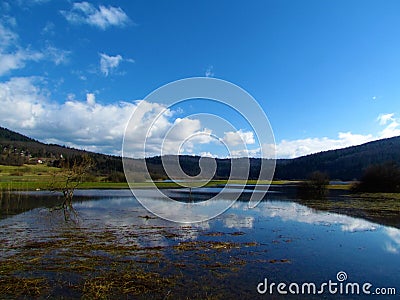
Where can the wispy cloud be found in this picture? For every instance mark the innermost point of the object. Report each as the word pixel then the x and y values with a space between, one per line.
pixel 109 63
pixel 7 37
pixel 384 118
pixel 48 29
pixel 101 17
pixel 56 55
pixel 209 71
pixel 17 59
pixel 13 56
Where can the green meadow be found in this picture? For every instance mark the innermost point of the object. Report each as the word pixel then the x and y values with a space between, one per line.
pixel 39 177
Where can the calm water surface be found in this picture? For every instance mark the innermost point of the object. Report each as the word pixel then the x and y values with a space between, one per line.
pixel 280 240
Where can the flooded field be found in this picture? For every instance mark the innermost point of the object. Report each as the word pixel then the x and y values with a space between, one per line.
pixel 114 248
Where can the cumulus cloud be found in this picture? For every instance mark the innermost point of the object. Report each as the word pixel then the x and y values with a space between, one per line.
pixel 22 103
pixel 101 17
pixel 109 63
pixel 240 137
pixel 185 135
pixel 392 125
pixel 300 147
pixel 87 124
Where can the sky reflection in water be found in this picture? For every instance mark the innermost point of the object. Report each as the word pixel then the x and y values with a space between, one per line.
pixel 317 244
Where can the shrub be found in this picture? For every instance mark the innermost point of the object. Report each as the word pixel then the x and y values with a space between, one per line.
pixel 315 186
pixel 379 178
pixel 17 173
pixel 116 177
pixel 90 178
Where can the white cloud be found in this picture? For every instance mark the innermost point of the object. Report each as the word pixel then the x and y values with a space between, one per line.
pixel 183 137
pixel 295 148
pixel 384 118
pixel 17 60
pixel 101 17
pixel 27 108
pixel 300 147
pixel 21 103
pixel 245 153
pixel 207 154
pixel 90 99
pixel 109 63
pixel 240 137
pixel 392 125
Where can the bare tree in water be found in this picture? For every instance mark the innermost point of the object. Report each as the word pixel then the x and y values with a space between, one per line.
pixel 67 180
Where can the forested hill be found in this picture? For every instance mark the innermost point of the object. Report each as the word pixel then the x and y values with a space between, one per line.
pixel 345 164
pixel 17 149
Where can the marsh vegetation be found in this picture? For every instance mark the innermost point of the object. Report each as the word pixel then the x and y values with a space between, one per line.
pixel 118 250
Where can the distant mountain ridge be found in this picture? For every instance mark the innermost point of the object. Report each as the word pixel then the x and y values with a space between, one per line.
pixel 342 164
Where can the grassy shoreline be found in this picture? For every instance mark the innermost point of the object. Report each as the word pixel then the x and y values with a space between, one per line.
pixel 44 185
pixel 39 177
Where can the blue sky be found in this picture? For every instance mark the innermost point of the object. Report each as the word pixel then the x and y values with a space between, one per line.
pixel 326 73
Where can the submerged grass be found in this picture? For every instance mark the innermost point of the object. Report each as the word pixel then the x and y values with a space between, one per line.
pixel 17 286
pixel 126 282
pixel 90 263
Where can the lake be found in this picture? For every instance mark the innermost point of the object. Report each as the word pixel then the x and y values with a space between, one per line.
pixel 114 248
